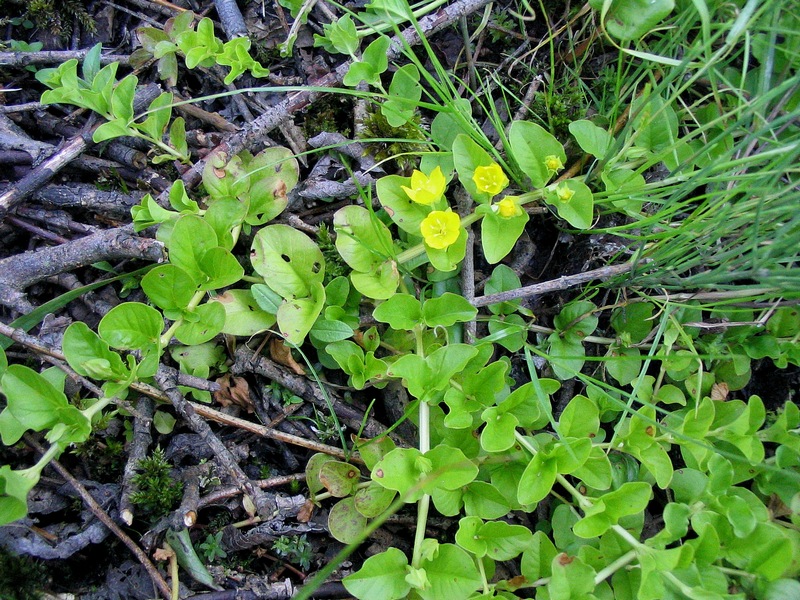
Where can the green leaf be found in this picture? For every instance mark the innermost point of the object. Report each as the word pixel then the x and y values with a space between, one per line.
pixel 566 356
pixel 538 557
pixel 267 299
pixel 578 209
pixel 177 138
pixel 345 523
pixel 381 576
pixel 122 99
pixel 632 19
pixel 500 234
pixel 313 467
pixel 374 62
pixel 404 212
pixel 537 479
pixel 371 501
pixel 91 63
pixel 654 121
pixel 14 488
pixel 571 578
pixel 608 509
pixel 401 311
pixel 502 279
pixel 451 468
pixel 576 320
pixel 483 500
pixel 220 268
pixel 326 331
pixel 363 241
pixel 187 558
pixel 273 174
pixel 468 156
pixel 451 574
pixel 226 178
pixel 404 94
pixel 131 326
pixel 206 321
pixel 623 364
pixel 163 422
pixel 190 239
pixel 447 309
pixel 289 260
pixel 90 356
pixel 591 138
pixel 111 130
pixel 340 37
pixel 34 402
pixel 634 319
pixel 379 284
pixel 510 331
pixel 580 418
pixel 498 434
pixel 373 450
pixel 158 116
pixel 296 317
pixel 168 287
pixel 243 315
pixel 530 146
pixel 339 478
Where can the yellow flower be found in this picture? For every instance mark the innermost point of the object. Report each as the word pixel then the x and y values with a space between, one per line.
pixel 441 228
pixel 564 192
pixel 490 179
pixel 508 208
pixel 426 189
pixel 553 164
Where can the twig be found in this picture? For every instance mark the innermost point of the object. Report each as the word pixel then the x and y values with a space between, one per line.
pixel 111 203
pixel 167 381
pixel 555 285
pixel 55 57
pixel 186 515
pixel 220 494
pixel 137 451
pixel 98 512
pixel 23 270
pixel 231 18
pixel 247 361
pixel 41 174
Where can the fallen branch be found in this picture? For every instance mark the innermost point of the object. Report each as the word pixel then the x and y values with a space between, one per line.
pixel 555 285
pixel 23 270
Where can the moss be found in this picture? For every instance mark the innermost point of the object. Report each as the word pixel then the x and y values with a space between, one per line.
pixel 55 16
pixel 403 152
pixel 20 577
pixel 157 492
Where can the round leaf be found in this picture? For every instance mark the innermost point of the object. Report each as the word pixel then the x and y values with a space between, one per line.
pixel 345 523
pixel 339 478
pixel 288 260
pixel 131 326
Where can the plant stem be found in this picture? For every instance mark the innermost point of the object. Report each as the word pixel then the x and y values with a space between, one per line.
pixel 424 446
pixel 615 566
pixel 193 303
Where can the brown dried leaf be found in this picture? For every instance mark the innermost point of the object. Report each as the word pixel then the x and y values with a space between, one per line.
pixel 719 391
pixel 282 354
pixel 234 390
pixel 306 512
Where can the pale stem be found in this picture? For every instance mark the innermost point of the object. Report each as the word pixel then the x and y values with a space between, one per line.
pixel 193 303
